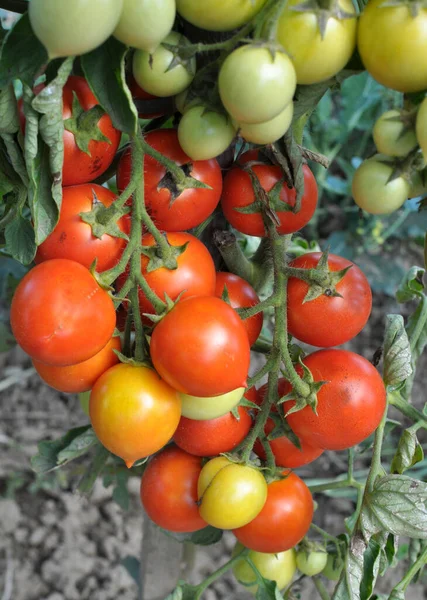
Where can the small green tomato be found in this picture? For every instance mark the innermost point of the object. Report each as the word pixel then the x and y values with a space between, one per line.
pixel 311 563
pixel 269 131
pixel 279 567
pixel 204 133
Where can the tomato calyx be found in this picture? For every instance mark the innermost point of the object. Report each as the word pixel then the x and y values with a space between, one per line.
pixel 282 428
pixel 169 305
pixel 182 54
pixel 157 260
pixel 179 180
pixel 413 7
pixel 302 401
pixel 84 125
pixel 132 361
pixel 324 10
pixel 103 219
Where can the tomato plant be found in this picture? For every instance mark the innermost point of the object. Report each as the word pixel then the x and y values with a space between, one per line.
pixel 133 411
pixel 283 521
pixel 230 494
pixel 171 208
pixel 169 490
pixel 214 347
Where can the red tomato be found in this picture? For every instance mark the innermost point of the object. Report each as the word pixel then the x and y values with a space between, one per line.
pixel 238 192
pixel 140 94
pixel 60 315
pixel 328 320
pixel 212 437
pixel 201 347
pixel 350 405
pixel 169 490
pixel 241 294
pixel 284 520
pixel 285 452
pixel 194 275
pixel 80 167
pixel 191 206
pixel 72 238
pixel 83 376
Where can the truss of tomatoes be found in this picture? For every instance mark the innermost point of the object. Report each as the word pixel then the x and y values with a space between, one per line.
pixel 195 393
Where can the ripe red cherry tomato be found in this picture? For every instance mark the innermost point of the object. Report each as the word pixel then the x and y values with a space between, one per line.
pixel 83 376
pixel 191 206
pixel 201 347
pixel 238 192
pixel 194 275
pixel 241 294
pixel 285 452
pixel 60 315
pixel 350 405
pixel 328 320
pixel 284 519
pixel 72 238
pixel 169 490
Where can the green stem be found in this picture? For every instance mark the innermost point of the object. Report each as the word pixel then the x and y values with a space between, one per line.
pixel 140 353
pixel 264 369
pixel 350 469
pixel 235 259
pixel 408 410
pixel 247 312
pixel 375 468
pixel 418 564
pixel 310 276
pixel 159 305
pixel 262 346
pixel 323 593
pixel 128 334
pixel 219 573
pixel 333 484
pixel 324 534
pixel 108 277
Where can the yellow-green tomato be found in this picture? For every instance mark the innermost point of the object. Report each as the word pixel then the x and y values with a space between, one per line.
pixel 279 567
pixel 84 401
pixel 311 563
pixel 153 73
pixel 316 57
pixel 230 494
pixel 392 43
pixel 333 568
pixel 204 133
pixel 421 127
pixel 373 190
pixel 270 131
pixel 219 15
pixel 255 85
pixel 389 137
pixel 73 27
pixel 212 407
pixel 145 23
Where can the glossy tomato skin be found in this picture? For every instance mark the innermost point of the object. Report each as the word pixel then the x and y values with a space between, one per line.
pixel 241 294
pixel 72 238
pixel 279 567
pixel 60 315
pixel 169 490
pixel 210 407
pixel 230 494
pixel 214 350
pixel 79 167
pixel 83 376
pixel 284 519
pixel 350 405
pixel 219 15
pixel 286 454
pixel 133 412
pixel 238 192
pixel 395 65
pixel 328 320
pixel 311 563
pixel 192 206
pixel 194 275
pixel 212 437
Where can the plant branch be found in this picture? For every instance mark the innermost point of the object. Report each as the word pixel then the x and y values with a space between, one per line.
pixel 219 573
pixel 323 593
pixel 406 580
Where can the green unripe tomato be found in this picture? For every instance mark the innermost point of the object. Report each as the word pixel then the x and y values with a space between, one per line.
pixel 219 15
pixel 254 85
pixel 145 23
pixel 73 27
pixel 388 138
pixel 84 401
pixel 311 563
pixel 151 70
pixel 269 131
pixel 278 567
pixel 204 133
pixel 203 409
pixel 372 189
pixel 421 127
pixel 333 568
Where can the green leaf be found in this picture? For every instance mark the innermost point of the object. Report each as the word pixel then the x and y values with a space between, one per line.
pixel 397 595
pixel 79 446
pixel 183 591
pixel 205 537
pixel 417 332
pixel 133 567
pixel 396 505
pixel 9 119
pixel 104 69
pixel 94 470
pixel 268 590
pixel 20 240
pixel 22 55
pixel 397 352
pixel 409 452
pixel 48 451
pixel 120 491
pixel 411 287
pixel 348 587
pixel 371 560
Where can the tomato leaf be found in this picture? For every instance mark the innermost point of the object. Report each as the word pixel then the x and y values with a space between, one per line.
pixel 52 454
pixel 120 491
pixel 409 452
pixel 9 119
pixel 104 69
pixel 348 587
pixel 204 537
pixel 417 332
pixel 411 287
pixel 22 55
pixel 371 560
pixel 183 591
pixel 397 352
pixel 94 470
pixel 20 240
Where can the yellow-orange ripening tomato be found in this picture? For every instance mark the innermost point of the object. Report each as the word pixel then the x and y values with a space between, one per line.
pixel 133 411
pixel 83 376
pixel 230 494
